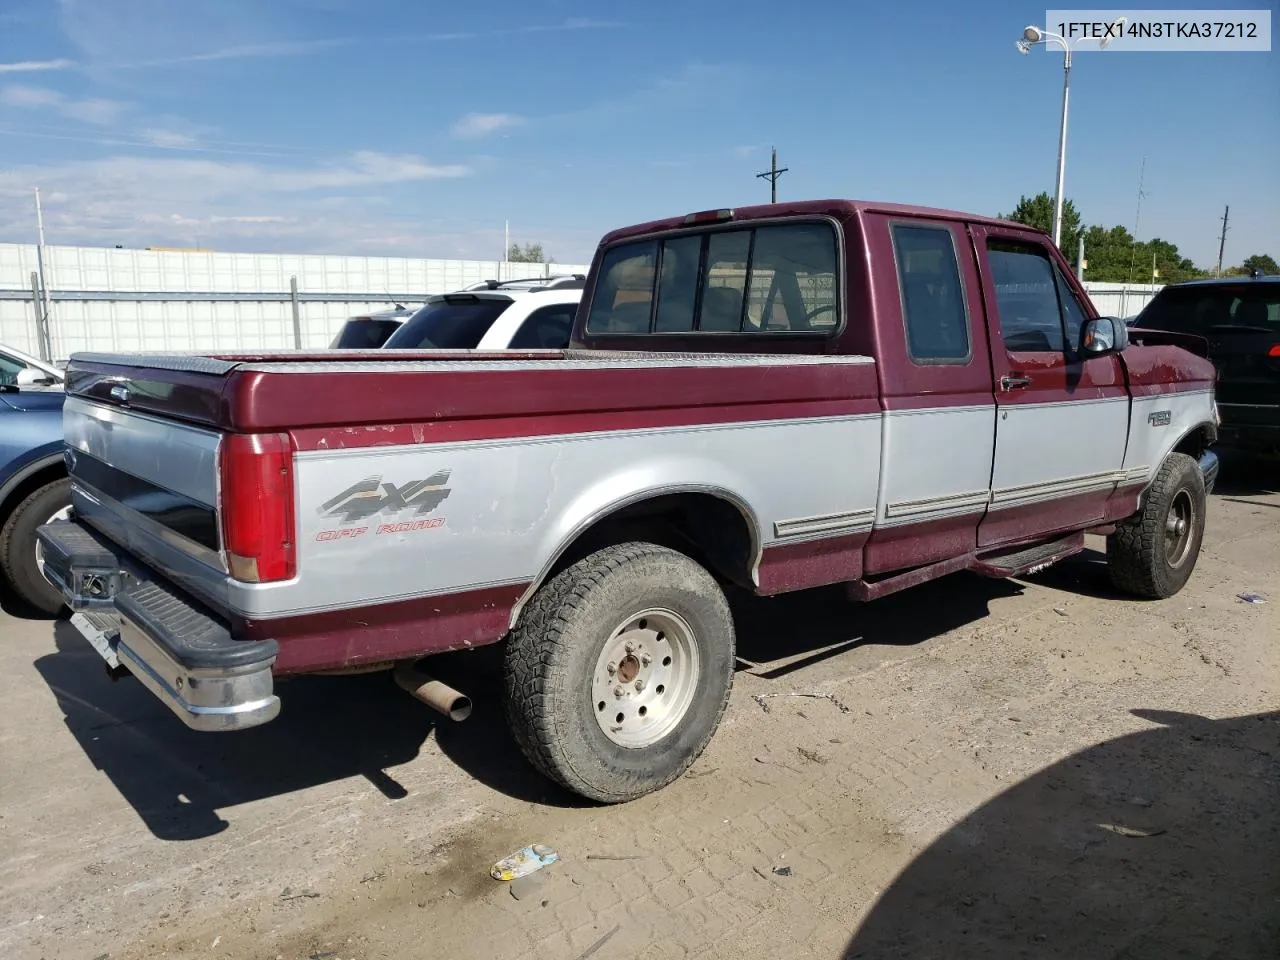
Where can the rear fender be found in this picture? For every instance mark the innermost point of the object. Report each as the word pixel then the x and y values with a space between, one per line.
pixel 633 485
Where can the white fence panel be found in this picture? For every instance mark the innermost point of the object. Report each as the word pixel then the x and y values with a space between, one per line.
pixel 1121 299
pixel 133 312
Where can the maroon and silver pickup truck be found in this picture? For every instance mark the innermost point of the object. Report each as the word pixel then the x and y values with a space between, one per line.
pixel 776 397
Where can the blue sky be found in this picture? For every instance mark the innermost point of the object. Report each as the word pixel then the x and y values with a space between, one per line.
pixel 391 127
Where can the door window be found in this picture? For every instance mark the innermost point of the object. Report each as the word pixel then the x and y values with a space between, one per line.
pixel 9 370
pixel 1026 297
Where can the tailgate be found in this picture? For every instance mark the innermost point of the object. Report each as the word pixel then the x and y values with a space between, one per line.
pixel 151 486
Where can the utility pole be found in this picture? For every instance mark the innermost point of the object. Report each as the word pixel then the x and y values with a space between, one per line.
pixel 506 245
pixel 1222 238
pixel 1133 247
pixel 772 175
pixel 42 309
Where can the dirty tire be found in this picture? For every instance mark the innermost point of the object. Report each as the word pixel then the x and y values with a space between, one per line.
pixel 1138 553
pixel 18 546
pixel 552 657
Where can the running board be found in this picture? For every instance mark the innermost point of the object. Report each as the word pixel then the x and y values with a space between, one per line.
pixel 875 589
pixel 1021 561
pixel 1014 562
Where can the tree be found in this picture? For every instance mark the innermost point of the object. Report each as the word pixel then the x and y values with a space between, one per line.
pixel 1113 254
pixel 1261 262
pixel 1037 212
pixel 529 253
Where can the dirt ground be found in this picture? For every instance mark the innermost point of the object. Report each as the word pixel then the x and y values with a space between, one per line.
pixel 975 768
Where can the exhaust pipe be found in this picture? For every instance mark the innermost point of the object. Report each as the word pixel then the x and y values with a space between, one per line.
pixel 439 696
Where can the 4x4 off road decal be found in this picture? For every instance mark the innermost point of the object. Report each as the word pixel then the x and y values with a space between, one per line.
pixel 373 496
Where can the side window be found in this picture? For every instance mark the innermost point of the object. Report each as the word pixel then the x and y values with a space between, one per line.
pixel 793 279
pixel 547 328
pixel 624 294
pixel 1026 297
pixel 678 285
pixel 1073 312
pixel 727 255
pixel 933 306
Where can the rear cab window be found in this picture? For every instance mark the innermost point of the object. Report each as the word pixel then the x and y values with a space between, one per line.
pixel 456 322
pixel 740 279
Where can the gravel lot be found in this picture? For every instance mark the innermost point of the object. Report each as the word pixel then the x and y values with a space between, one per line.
pixel 975 768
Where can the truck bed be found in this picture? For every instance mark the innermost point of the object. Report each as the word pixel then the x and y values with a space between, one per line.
pixel 360 389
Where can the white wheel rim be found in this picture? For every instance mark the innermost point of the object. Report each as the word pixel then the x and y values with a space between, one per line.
pixel 645 678
pixel 63 514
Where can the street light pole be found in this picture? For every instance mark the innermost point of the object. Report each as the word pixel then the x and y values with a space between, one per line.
pixel 1030 37
pixel 1062 151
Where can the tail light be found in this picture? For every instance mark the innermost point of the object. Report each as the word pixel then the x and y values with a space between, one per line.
pixel 1274 351
pixel 256 503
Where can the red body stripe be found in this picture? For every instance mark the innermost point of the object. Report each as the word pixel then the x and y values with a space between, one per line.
pixel 494 428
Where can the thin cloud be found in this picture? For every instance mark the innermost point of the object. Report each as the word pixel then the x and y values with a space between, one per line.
pixel 298 48
pixel 578 23
pixel 476 125
pixel 239 204
pixel 281 48
pixel 92 110
pixel 36 66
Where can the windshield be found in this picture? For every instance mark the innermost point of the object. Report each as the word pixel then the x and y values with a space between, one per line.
pixel 364 334
pixel 455 324
pixel 1244 307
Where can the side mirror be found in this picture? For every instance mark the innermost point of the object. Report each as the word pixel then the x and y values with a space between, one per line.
pixel 30 377
pixel 1102 336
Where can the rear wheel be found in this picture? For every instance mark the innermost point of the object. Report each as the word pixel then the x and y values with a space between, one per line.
pixel 20 552
pixel 1153 554
pixel 619 670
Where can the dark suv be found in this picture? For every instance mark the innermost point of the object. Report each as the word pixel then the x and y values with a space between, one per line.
pixel 1239 317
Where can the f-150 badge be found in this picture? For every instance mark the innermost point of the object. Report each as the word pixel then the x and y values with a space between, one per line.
pixel 373 495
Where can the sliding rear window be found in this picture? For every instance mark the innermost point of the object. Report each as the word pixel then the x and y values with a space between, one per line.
pixel 779 278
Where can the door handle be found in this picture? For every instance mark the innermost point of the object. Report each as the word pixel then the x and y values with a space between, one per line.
pixel 1013 382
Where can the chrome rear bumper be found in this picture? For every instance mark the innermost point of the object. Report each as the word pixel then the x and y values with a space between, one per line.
pixel 184 655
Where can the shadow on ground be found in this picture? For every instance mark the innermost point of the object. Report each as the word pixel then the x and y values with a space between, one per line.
pixel 1036 872
pixel 777 635
pixel 333 728
pixel 1243 476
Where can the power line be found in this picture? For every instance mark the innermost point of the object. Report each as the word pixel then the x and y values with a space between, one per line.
pixel 772 175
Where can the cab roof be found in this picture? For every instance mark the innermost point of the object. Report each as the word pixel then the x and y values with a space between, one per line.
pixel 838 208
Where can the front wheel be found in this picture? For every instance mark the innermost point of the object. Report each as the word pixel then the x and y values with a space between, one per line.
pixel 1153 554
pixel 618 671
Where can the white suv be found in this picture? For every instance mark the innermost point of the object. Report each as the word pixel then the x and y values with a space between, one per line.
pixel 517 315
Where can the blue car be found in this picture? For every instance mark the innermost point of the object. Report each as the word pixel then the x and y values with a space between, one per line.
pixel 33 478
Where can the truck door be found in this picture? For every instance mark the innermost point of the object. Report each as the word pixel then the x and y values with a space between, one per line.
pixel 934 366
pixel 1062 421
